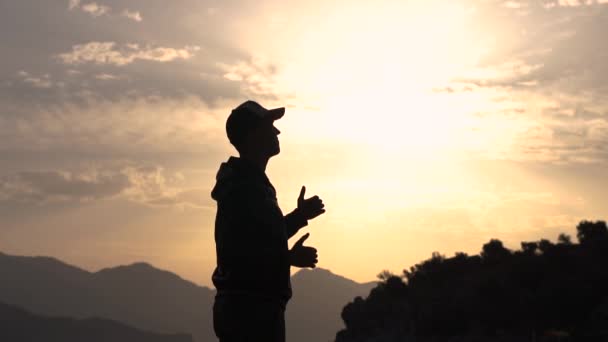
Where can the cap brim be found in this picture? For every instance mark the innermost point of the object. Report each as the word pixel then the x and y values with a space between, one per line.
pixel 276 113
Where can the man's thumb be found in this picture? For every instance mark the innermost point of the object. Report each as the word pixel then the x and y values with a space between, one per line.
pixel 302 192
pixel 301 240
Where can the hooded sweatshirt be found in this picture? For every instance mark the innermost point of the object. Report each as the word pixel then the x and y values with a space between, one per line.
pixel 251 234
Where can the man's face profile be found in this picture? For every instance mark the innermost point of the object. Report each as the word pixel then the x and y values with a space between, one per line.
pixel 264 138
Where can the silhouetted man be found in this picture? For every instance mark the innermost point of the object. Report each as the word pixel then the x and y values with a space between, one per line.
pixel 252 276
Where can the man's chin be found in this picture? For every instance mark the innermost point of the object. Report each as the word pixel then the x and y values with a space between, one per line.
pixel 276 151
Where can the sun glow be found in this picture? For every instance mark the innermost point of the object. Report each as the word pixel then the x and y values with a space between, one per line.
pixel 374 74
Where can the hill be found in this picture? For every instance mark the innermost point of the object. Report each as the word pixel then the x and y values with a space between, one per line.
pixel 151 299
pixel 313 314
pixel 21 326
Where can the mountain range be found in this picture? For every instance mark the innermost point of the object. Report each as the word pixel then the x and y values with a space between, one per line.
pixel 21 326
pixel 159 301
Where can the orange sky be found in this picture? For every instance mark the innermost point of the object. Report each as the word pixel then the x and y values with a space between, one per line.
pixel 424 125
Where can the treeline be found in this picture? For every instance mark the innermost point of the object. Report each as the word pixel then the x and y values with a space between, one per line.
pixel 543 292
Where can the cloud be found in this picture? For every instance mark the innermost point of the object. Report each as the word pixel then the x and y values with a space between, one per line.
pixel 106 77
pixel 133 15
pixel 546 74
pixel 256 77
pixel 107 53
pixel 514 4
pixel 123 128
pixel 565 142
pixel 162 57
pixel 73 4
pixel 48 186
pixel 95 9
pixel 150 185
pixel 37 82
pixel 573 3
pixel 147 185
pixel 92 8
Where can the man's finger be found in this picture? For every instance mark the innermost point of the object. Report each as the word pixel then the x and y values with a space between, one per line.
pixel 319 212
pixel 302 192
pixel 301 240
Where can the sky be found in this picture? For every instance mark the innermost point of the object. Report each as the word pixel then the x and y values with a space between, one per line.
pixel 424 125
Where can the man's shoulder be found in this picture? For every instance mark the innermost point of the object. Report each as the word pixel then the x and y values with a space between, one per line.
pixel 246 188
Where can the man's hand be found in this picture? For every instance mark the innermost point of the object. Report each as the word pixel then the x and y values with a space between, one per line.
pixel 310 207
pixel 303 256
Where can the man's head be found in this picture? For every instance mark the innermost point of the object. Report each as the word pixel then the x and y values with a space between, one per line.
pixel 250 129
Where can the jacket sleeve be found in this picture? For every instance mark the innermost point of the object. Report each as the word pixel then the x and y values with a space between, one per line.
pixel 258 219
pixel 293 222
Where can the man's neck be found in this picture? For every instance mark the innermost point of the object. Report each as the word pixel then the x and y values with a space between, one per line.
pixel 260 161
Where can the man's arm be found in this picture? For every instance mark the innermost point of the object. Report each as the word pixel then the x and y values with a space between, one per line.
pixel 294 221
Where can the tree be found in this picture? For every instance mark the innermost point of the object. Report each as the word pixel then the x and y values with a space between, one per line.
pixel 529 247
pixel 494 250
pixel 385 275
pixel 588 232
pixel 544 245
pixel 564 239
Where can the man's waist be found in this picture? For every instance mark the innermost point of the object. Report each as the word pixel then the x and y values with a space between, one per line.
pixel 280 299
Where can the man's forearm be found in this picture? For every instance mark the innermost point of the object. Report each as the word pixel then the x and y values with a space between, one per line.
pixel 293 222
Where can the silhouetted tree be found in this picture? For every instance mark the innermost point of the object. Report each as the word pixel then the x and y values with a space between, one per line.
pixel 529 247
pixel 544 245
pixel 385 275
pixel 494 251
pixel 589 232
pixel 544 289
pixel 564 239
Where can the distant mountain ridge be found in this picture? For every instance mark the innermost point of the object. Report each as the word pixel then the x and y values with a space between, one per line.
pixel 314 312
pixel 147 298
pixel 21 326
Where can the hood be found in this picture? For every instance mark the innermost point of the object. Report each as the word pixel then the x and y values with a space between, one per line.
pixel 233 172
pixel 225 178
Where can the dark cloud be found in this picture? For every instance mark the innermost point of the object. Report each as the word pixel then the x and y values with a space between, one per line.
pixel 174 51
pixel 42 186
pixel 150 185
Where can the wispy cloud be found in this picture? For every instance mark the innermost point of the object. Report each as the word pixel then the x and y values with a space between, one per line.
pixel 44 186
pixel 573 3
pixel 514 4
pixel 106 77
pixel 95 9
pixel 152 186
pixel 148 185
pixel 133 15
pixel 43 81
pixel 109 53
pixel 256 77
pixel 73 4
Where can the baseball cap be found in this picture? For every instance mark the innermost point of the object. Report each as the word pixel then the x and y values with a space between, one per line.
pixel 247 116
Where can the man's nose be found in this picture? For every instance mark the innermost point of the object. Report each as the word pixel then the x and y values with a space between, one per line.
pixel 276 131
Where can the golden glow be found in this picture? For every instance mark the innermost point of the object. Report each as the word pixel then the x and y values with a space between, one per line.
pixel 405 165
pixel 372 71
pixel 369 111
